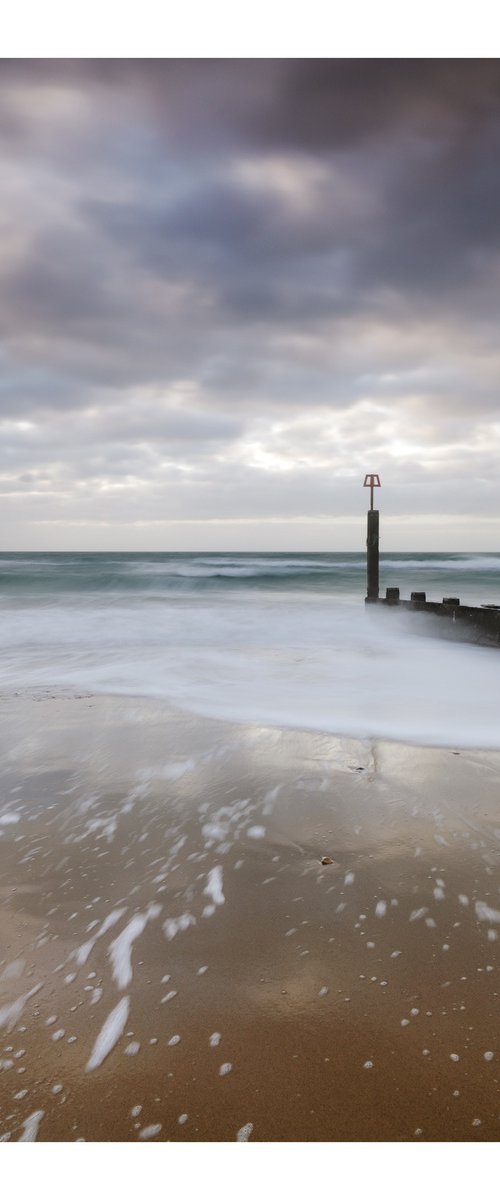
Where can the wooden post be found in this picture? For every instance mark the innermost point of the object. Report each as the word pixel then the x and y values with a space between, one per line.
pixel 372 555
pixel 372 481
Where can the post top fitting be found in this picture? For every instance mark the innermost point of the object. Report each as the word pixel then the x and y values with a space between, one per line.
pixel 372 481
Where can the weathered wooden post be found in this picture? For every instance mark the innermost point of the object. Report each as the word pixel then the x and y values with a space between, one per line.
pixel 372 589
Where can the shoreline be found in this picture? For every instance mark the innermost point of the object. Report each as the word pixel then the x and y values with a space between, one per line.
pixel 143 842
pixel 43 692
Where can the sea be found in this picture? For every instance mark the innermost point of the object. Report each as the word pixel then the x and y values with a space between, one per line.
pixel 270 639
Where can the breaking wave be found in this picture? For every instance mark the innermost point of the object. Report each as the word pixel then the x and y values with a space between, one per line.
pixel 272 639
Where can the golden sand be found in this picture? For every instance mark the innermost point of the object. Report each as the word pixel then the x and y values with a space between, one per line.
pixel 200 975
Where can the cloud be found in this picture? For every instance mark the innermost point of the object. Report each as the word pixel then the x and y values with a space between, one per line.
pixel 227 285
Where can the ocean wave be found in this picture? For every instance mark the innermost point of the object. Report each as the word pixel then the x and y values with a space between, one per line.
pixel 237 565
pixel 328 666
pixel 231 569
pixel 456 563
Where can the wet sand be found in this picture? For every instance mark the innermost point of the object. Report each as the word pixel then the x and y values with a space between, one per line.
pixel 165 920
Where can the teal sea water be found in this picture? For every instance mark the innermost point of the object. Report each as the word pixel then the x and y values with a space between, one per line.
pixel 476 576
pixel 266 638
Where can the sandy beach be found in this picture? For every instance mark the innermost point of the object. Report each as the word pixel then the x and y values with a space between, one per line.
pixel 177 964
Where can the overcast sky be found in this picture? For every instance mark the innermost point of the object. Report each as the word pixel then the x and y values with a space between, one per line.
pixel 230 288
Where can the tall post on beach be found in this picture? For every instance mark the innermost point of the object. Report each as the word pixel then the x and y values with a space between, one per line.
pixel 372 589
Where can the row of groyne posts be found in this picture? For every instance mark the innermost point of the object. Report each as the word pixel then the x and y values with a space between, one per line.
pixel 462 621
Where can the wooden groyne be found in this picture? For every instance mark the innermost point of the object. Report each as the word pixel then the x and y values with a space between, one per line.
pixel 462 622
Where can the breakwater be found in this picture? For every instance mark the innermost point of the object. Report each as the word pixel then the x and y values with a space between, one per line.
pixel 464 622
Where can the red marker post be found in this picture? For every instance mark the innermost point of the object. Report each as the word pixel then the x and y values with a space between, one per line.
pixel 372 542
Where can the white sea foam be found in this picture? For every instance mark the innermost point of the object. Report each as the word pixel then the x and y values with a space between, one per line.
pixel 176 770
pixel 105 827
pixel 150 1131
pixel 417 914
pixel 244 1133
pixel 31 1126
pixel 308 659
pixel 213 888
pixel 13 970
pixel 120 950
pixel 81 955
pixel 214 831
pixel 270 798
pixel 111 1031
pixel 485 913
pixel 10 1013
pixel 174 925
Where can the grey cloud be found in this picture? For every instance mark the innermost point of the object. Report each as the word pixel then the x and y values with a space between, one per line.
pixel 161 271
pixel 317 103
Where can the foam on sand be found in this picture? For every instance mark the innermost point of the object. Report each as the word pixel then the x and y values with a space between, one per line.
pixel 244 1133
pixel 214 886
pixel 174 925
pixel 31 1125
pixel 150 1131
pixel 111 1031
pixel 13 970
pixel 485 913
pixel 10 1013
pixel 120 951
pixel 82 954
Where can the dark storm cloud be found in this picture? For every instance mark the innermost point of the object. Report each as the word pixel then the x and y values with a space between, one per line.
pixel 244 250
pixel 438 209
pixel 325 103
pixel 298 103
pixel 198 253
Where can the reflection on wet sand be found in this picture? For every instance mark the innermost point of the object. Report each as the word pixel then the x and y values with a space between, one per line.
pixel 177 963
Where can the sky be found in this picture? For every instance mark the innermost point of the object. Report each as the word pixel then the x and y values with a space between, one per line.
pixel 230 288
